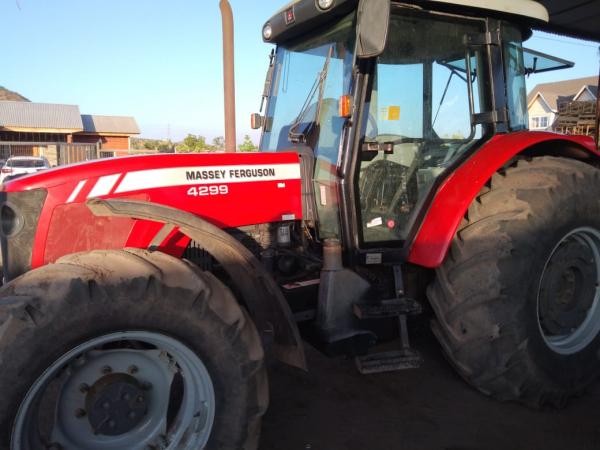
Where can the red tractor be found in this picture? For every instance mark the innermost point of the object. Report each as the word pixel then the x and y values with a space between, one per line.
pixel 396 177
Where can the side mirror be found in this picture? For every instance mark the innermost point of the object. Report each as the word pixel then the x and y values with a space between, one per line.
pixel 372 27
pixel 256 121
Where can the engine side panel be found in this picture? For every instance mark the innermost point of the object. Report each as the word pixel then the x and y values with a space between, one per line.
pixel 458 191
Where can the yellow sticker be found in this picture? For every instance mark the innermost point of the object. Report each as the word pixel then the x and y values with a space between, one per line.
pixel 389 113
pixel 394 113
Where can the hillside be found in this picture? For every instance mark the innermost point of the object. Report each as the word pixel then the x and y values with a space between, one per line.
pixel 6 94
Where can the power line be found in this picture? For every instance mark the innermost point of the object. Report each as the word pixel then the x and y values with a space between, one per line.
pixel 564 41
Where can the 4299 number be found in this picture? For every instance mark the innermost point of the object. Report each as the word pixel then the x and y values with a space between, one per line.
pixel 203 191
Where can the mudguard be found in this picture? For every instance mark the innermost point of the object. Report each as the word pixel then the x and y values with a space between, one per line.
pixel 267 306
pixel 458 191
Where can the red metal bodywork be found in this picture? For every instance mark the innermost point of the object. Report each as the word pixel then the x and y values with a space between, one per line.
pixel 66 225
pixel 229 190
pixel 460 189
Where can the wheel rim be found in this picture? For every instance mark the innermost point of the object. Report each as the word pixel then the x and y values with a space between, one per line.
pixel 134 390
pixel 568 304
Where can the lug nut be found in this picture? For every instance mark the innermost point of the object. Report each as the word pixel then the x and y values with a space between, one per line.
pixel 80 413
pixel 140 399
pixel 106 370
pixel 106 405
pixel 133 370
pixel 146 386
pixel 83 388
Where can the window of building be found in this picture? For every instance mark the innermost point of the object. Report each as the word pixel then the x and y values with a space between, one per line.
pixel 539 122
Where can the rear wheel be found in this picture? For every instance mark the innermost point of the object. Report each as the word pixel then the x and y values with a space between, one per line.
pixel 127 349
pixel 518 299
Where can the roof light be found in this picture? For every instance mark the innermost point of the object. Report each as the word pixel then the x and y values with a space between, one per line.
pixel 267 32
pixel 325 4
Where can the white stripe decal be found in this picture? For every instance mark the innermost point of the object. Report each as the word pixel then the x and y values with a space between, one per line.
pixel 76 191
pixel 104 185
pixel 184 176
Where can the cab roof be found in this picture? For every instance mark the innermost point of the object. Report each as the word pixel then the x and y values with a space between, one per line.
pixel 526 8
pixel 575 18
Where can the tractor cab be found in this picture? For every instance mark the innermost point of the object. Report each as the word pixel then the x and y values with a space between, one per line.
pixel 391 98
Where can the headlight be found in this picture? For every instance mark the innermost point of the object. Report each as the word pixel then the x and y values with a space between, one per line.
pixel 267 32
pixel 11 221
pixel 325 4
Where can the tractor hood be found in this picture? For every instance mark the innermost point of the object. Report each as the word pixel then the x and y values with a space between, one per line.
pixel 45 215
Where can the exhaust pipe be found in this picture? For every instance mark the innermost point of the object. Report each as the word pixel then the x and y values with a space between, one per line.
pixel 228 76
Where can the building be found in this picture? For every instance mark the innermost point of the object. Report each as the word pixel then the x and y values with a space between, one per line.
pixel 111 133
pixel 61 133
pixel 544 100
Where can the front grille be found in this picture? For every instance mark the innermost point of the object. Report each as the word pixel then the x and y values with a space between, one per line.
pixel 17 239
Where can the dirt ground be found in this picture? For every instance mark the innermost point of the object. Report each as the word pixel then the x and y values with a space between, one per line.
pixel 333 407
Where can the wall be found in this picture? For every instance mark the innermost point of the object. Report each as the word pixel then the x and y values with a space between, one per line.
pixel 539 108
pixel 107 142
pixel 586 96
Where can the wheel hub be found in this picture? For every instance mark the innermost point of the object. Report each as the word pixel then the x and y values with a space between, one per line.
pixel 568 288
pixel 569 292
pixel 114 392
pixel 116 404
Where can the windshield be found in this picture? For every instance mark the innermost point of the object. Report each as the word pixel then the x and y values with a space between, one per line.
pixel 426 89
pixel 309 78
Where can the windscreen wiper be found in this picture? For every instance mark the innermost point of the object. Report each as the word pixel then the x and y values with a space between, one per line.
pixel 295 135
pixel 268 80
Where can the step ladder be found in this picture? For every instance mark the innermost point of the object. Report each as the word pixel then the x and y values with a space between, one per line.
pixel 400 307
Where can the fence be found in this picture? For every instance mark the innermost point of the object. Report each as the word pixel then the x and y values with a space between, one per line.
pixel 57 153
pixel 576 118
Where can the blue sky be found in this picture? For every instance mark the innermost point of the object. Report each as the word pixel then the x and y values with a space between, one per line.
pixel 160 60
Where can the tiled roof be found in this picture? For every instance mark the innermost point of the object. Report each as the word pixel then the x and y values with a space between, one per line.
pixel 109 124
pixel 563 90
pixel 40 115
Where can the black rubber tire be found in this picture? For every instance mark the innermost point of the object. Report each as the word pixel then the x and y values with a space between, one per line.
pixel 485 293
pixel 50 310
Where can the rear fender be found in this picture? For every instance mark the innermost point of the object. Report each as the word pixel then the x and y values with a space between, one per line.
pixel 262 296
pixel 460 188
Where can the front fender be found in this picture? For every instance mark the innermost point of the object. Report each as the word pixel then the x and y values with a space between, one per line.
pixel 265 302
pixel 458 191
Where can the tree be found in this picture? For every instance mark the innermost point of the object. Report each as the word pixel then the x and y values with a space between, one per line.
pixel 193 144
pixel 247 145
pixel 150 144
pixel 219 143
pixel 166 147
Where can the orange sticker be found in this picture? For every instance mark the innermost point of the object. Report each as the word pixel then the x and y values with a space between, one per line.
pixel 393 113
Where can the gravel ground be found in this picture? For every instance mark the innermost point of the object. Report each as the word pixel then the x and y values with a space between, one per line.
pixel 333 407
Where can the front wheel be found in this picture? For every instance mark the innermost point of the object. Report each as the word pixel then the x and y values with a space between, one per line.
pixel 518 298
pixel 127 350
